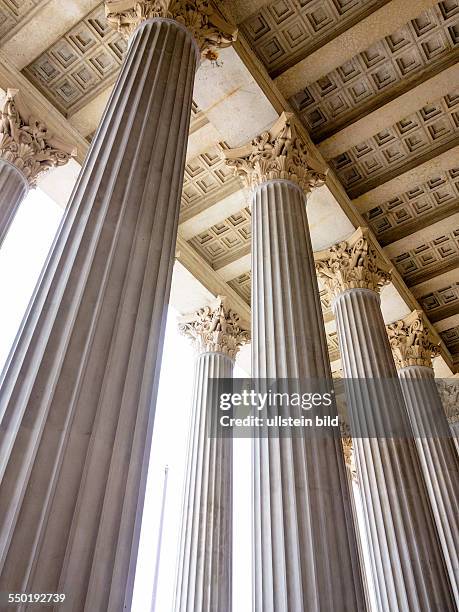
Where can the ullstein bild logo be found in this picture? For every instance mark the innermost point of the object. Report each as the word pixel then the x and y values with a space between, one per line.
pixel 263 402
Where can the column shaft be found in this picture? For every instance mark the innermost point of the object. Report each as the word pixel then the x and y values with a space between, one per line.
pixel 300 487
pixel 439 459
pixel 455 430
pixel 205 555
pixel 79 391
pixel 13 189
pixel 405 552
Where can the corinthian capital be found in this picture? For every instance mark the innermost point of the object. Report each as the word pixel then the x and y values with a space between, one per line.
pixel 215 329
pixel 26 143
pixel 449 393
pixel 352 264
pixel 411 341
pixel 210 31
pixel 280 153
pixel 348 449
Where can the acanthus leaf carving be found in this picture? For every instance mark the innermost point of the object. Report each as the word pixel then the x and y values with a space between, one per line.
pixel 26 143
pixel 411 341
pixel 352 264
pixel 215 329
pixel 279 153
pixel 449 393
pixel 210 31
pixel 348 449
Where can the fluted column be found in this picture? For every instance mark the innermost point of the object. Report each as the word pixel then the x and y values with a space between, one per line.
pixel 204 573
pixel 79 390
pixel 27 150
pixel 353 484
pixel 407 564
pixel 413 349
pixel 299 483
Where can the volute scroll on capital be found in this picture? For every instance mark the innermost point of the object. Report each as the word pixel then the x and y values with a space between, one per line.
pixel 25 141
pixel 215 329
pixel 352 264
pixel 412 342
pixel 210 31
pixel 277 154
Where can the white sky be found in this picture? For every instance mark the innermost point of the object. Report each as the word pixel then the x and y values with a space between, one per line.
pixel 21 259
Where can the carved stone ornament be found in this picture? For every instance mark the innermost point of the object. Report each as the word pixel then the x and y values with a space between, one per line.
pixel 449 393
pixel 280 153
pixel 352 264
pixel 348 449
pixel 411 341
pixel 26 143
pixel 210 31
pixel 215 329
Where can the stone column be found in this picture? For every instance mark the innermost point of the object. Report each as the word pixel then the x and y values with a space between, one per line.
pixel 407 564
pixel 299 483
pixel 205 555
pixel 27 150
pixel 352 481
pixel 413 349
pixel 79 390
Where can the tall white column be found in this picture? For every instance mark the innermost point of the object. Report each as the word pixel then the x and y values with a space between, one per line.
pixel 299 483
pixel 26 151
pixel 204 576
pixel 353 484
pixel 413 349
pixel 78 394
pixel 407 564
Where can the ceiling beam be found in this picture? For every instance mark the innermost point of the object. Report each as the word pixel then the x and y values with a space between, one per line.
pixel 448 323
pixel 232 269
pixel 41 107
pixel 408 180
pixel 439 282
pixel 386 20
pixel 240 10
pixel 389 114
pixel 445 226
pixel 211 280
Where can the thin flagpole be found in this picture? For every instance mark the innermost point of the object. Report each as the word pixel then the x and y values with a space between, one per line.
pixel 160 539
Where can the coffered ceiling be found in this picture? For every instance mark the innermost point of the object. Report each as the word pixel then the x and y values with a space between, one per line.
pixel 14 12
pixel 375 85
pixel 80 64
